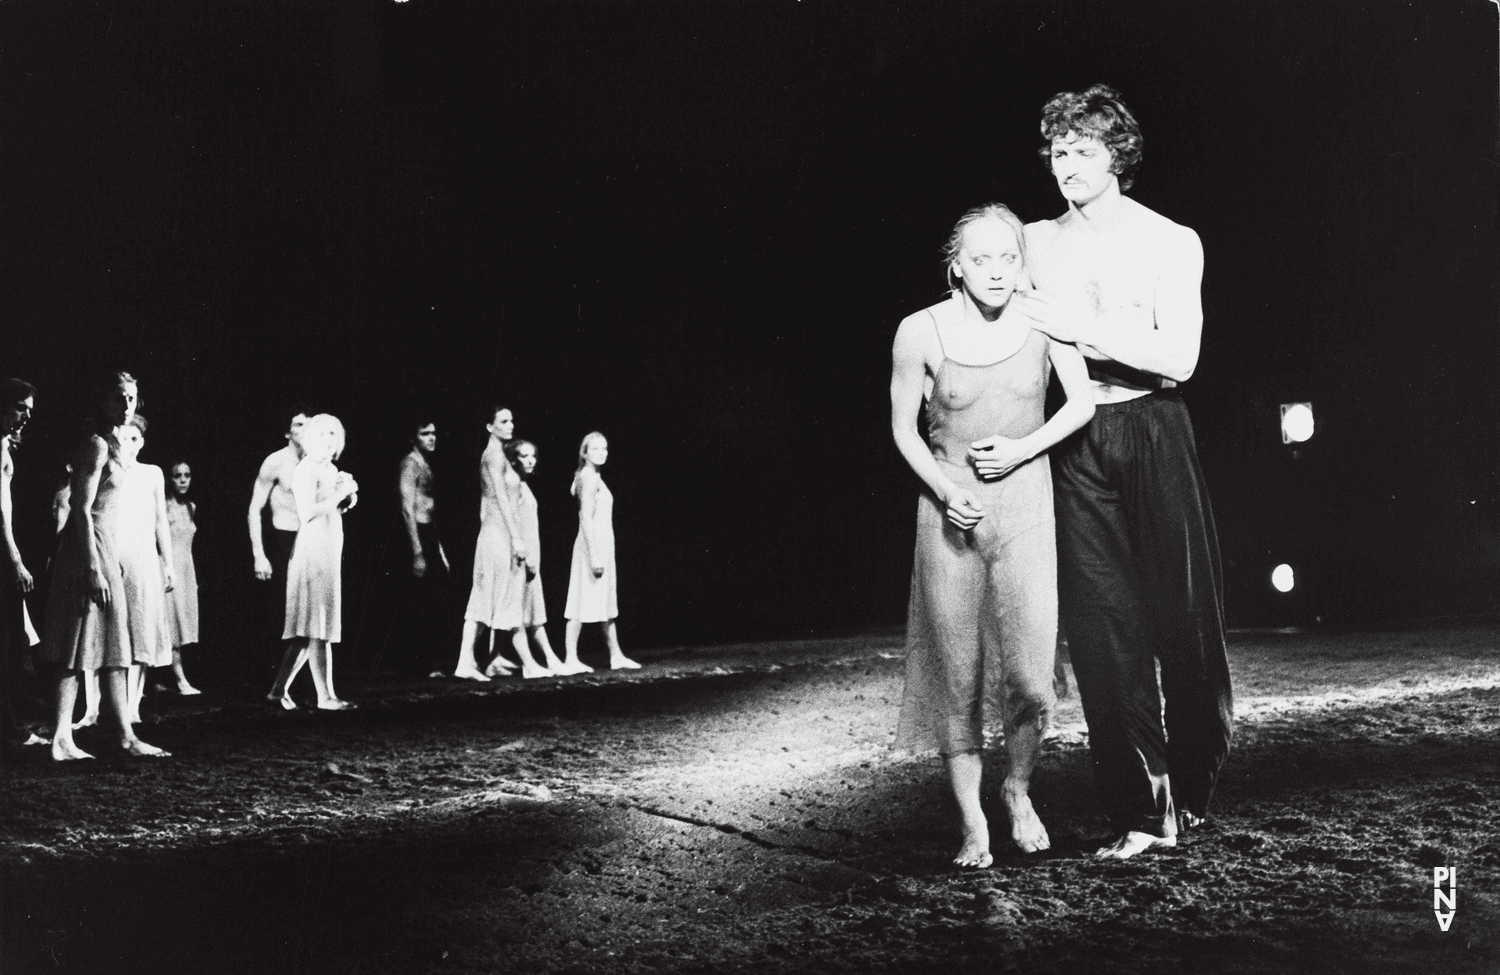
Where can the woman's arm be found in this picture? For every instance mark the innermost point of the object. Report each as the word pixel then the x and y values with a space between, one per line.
pixel 908 377
pixel 492 471
pixel 163 527
pixel 994 457
pixel 88 466
pixel 588 502
pixel 305 483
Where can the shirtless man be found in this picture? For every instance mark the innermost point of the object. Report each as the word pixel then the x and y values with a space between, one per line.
pixel 274 485
pixel 17 398
pixel 1139 575
pixel 428 596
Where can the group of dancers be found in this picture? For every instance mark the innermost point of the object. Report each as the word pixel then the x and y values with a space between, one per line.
pixel 123 591
pixel 1115 527
pixel 307 495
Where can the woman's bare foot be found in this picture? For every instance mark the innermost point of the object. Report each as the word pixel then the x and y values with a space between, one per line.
pixel 500 668
pixel 1132 843
pixel 139 749
pixel 63 750
pixel 87 721
pixel 576 667
pixel 471 675
pixel 187 690
pixel 622 662
pixel 337 704
pixel 1026 827
pixel 532 671
pixel 975 853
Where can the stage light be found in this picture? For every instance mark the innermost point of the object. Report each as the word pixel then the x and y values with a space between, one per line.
pixel 1283 578
pixel 1296 422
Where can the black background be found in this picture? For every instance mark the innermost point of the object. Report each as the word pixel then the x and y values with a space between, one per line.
pixel 694 226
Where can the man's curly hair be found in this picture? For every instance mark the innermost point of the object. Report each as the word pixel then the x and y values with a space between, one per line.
pixel 1098 113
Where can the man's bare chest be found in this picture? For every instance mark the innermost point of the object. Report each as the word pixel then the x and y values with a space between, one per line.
pixel 1109 277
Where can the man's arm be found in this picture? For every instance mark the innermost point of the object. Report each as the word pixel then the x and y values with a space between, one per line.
pixel 409 514
pixel 264 482
pixel 22 577
pixel 1166 345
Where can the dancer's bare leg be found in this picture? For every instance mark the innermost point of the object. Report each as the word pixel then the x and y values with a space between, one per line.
pixel 135 685
pixel 539 636
pixel 291 664
pixel 65 694
pixel 320 660
pixel 183 687
pixel 116 688
pixel 617 658
pixel 965 769
pixel 467 668
pixel 1022 745
pixel 498 666
pixel 572 665
pixel 90 701
pixel 529 667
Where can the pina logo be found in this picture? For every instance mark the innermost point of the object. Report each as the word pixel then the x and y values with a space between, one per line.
pixel 1444 899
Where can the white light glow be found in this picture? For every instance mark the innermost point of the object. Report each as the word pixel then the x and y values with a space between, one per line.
pixel 1283 578
pixel 1296 422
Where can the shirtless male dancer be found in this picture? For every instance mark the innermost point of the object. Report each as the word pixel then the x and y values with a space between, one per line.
pixel 16 632
pixel 428 589
pixel 274 484
pixel 1139 576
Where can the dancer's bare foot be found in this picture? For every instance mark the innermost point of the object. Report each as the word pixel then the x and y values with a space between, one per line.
pixel 1188 821
pixel 532 671
pixel 622 662
pixel 499 668
pixel 36 739
pixel 187 690
pixel 1132 843
pixel 1026 827
pixel 571 667
pixel 87 721
pixel 473 674
pixel 63 750
pixel 335 704
pixel 975 853
pixel 139 749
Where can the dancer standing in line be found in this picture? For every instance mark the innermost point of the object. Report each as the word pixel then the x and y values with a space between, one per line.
pixel 314 589
pixel 17 399
pixel 1140 579
pixel 522 456
pixel 182 607
pixel 592 596
pixel 273 486
pixel 426 591
pixel 499 590
pixel 982 620
pixel 144 545
pixel 87 626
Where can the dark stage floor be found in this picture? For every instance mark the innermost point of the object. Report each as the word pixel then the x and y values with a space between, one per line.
pixel 739 809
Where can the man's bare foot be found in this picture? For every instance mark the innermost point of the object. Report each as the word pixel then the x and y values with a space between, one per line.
pixel 576 667
pixel 623 662
pixel 1132 843
pixel 139 749
pixel 87 721
pixel 1026 827
pixel 473 674
pixel 336 704
pixel 187 690
pixel 499 668
pixel 975 853
pixel 63 750
pixel 532 671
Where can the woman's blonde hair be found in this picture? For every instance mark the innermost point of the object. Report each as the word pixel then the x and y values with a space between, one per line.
pixel 316 424
pixel 583 458
pixel 990 211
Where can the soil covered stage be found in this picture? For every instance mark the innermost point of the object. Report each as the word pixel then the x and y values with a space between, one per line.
pixel 739 808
